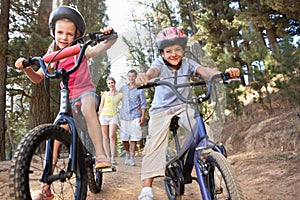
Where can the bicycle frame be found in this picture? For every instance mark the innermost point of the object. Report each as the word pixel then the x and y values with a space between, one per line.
pixel 200 143
pixel 64 117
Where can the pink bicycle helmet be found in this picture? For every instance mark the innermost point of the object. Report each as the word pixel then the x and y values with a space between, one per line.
pixel 170 36
pixel 67 12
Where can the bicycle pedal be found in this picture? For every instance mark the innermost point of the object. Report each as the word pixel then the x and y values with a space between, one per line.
pixel 107 169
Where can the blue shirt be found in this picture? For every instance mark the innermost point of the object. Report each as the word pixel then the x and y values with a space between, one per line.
pixel 133 101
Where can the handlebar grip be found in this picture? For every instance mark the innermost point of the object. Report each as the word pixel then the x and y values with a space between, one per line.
pixel 103 37
pixel 67 52
pixel 28 62
pixel 225 76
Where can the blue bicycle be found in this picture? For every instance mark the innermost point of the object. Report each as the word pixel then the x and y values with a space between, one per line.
pixel 215 176
pixel 70 168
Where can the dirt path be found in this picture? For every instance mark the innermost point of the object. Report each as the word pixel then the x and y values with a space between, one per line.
pixel 270 176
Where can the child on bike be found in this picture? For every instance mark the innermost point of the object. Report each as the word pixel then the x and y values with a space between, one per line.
pixel 171 43
pixel 67 24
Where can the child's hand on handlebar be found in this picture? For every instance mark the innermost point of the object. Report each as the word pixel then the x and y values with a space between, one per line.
pixel 19 63
pixel 233 72
pixel 142 79
pixel 107 30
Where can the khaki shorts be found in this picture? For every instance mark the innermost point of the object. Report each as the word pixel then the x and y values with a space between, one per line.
pixel 154 161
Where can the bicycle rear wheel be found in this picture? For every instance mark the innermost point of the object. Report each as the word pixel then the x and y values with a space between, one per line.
pixel 27 166
pixel 222 183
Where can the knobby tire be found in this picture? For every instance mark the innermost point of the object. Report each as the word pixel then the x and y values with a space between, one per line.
pixel 94 178
pixel 222 182
pixel 27 166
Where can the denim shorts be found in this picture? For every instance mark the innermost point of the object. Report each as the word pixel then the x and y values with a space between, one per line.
pixel 78 99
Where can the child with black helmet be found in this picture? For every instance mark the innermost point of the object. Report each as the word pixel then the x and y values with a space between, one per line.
pixel 67 24
pixel 171 43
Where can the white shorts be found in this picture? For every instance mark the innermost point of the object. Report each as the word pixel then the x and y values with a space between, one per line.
pixel 106 120
pixel 131 130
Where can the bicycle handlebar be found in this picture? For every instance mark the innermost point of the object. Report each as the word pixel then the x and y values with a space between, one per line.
pixel 93 37
pixel 67 52
pixel 224 76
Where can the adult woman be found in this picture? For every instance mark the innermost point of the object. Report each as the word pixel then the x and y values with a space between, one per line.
pixel 108 116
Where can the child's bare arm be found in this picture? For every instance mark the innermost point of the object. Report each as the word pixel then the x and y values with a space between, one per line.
pixel 207 72
pixel 34 76
pixel 143 78
pixel 101 104
pixel 102 46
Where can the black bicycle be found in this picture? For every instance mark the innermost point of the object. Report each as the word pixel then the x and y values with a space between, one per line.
pixel 35 160
pixel 215 176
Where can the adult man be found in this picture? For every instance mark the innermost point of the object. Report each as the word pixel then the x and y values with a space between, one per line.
pixel 132 116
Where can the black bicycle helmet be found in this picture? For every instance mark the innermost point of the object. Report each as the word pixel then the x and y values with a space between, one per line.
pixel 170 36
pixel 66 12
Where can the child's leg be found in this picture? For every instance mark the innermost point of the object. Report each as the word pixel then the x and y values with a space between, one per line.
pixel 88 108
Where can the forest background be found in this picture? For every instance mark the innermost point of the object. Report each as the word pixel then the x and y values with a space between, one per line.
pixel 261 37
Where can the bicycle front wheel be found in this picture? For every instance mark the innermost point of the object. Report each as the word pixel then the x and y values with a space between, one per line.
pixel 222 183
pixel 27 167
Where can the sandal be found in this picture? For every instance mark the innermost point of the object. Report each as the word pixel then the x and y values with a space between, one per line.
pixel 102 163
pixel 44 193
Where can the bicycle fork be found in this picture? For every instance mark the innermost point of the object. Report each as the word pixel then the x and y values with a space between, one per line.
pixel 201 147
pixel 201 171
pixel 50 161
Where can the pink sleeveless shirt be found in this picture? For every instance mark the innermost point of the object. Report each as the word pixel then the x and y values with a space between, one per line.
pixel 80 81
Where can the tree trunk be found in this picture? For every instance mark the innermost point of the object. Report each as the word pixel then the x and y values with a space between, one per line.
pixel 10 138
pixel 272 40
pixel 3 71
pixel 40 102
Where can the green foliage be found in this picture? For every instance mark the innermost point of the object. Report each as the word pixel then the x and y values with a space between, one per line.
pixel 288 69
pixel 259 63
pixel 224 34
pixel 289 8
pixel 22 24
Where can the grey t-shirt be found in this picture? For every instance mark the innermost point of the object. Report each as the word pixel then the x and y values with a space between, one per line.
pixel 164 98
